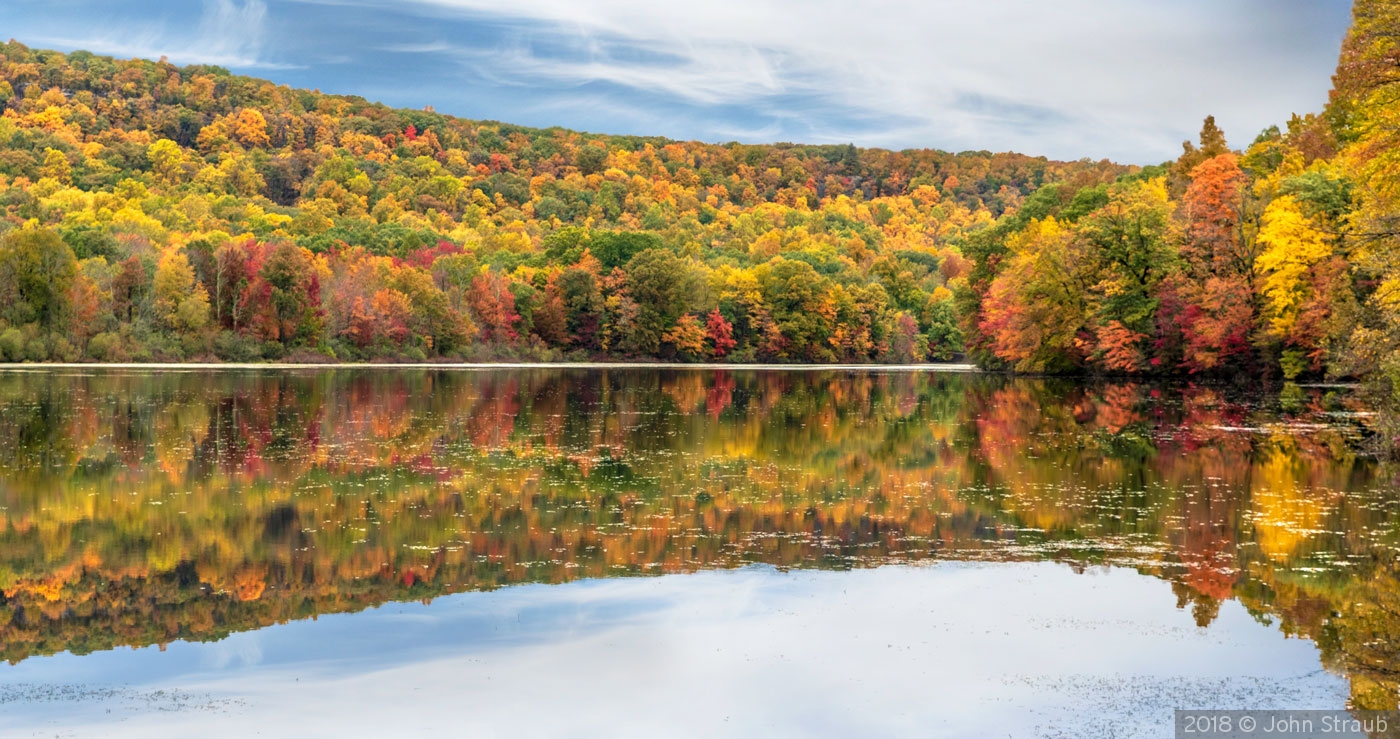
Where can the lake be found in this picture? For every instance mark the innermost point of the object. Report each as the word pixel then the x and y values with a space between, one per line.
pixel 642 552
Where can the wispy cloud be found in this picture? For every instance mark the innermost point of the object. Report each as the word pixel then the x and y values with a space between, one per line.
pixel 231 30
pixel 1077 75
pixel 431 47
pixel 228 33
pixel 1124 79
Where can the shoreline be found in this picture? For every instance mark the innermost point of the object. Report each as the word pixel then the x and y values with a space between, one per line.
pixel 486 366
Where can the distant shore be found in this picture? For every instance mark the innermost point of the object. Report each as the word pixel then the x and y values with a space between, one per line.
pixel 41 366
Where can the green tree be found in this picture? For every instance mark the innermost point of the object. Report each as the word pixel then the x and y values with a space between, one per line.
pixel 801 309
pixel 583 306
pixel 294 298
pixel 1134 247
pixel 615 249
pixel 665 287
pixel 945 339
pixel 41 268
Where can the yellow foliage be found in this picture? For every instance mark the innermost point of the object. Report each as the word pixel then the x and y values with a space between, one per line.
pixel 250 128
pixel 174 282
pixel 1292 244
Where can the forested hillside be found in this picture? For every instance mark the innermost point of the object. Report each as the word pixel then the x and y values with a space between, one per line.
pixel 154 212
pixel 1278 259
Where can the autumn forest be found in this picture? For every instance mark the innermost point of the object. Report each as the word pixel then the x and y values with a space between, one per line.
pixel 1142 420
pixel 162 213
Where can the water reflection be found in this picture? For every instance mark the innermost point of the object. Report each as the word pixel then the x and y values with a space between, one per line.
pixel 140 508
pixel 944 650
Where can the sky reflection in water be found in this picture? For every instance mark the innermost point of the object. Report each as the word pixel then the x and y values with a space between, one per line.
pixel 951 649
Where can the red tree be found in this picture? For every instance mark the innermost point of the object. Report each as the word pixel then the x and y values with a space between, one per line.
pixel 720 333
pixel 1211 210
pixel 494 307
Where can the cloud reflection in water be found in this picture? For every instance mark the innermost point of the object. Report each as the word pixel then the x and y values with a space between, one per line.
pixel 950 649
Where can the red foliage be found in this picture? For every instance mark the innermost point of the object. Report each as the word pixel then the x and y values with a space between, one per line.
pixel 1121 347
pixel 551 320
pixel 904 341
pixel 1329 283
pixel 720 394
pixel 86 301
pixel 361 329
pixel 423 258
pixel 720 333
pixel 381 319
pixel 493 305
pixel 1211 208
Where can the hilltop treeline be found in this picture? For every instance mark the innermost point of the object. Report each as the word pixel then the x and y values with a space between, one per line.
pixel 161 212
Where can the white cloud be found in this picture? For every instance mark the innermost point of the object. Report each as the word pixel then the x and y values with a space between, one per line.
pixel 231 30
pixel 1069 78
pixel 431 47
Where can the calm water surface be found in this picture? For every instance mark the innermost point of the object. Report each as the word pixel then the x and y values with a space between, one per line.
pixel 694 553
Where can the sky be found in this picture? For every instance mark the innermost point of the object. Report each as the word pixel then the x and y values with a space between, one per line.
pixel 1127 80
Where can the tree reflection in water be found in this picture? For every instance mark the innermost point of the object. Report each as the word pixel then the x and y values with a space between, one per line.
pixel 139 508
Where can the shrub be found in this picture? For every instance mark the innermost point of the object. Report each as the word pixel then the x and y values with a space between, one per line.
pixel 166 349
pixel 309 356
pixel 107 347
pixel 36 350
pixel 12 345
pixel 137 350
pixel 232 347
pixel 478 353
pixel 62 350
pixel 1294 363
pixel 747 355
pixel 194 345
pixel 342 350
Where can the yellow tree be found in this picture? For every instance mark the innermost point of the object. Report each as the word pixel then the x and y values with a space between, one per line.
pixel 687 336
pixel 57 166
pixel 181 303
pixel 250 129
pixel 167 161
pixel 1036 311
pixel 1293 247
pixel 1364 112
